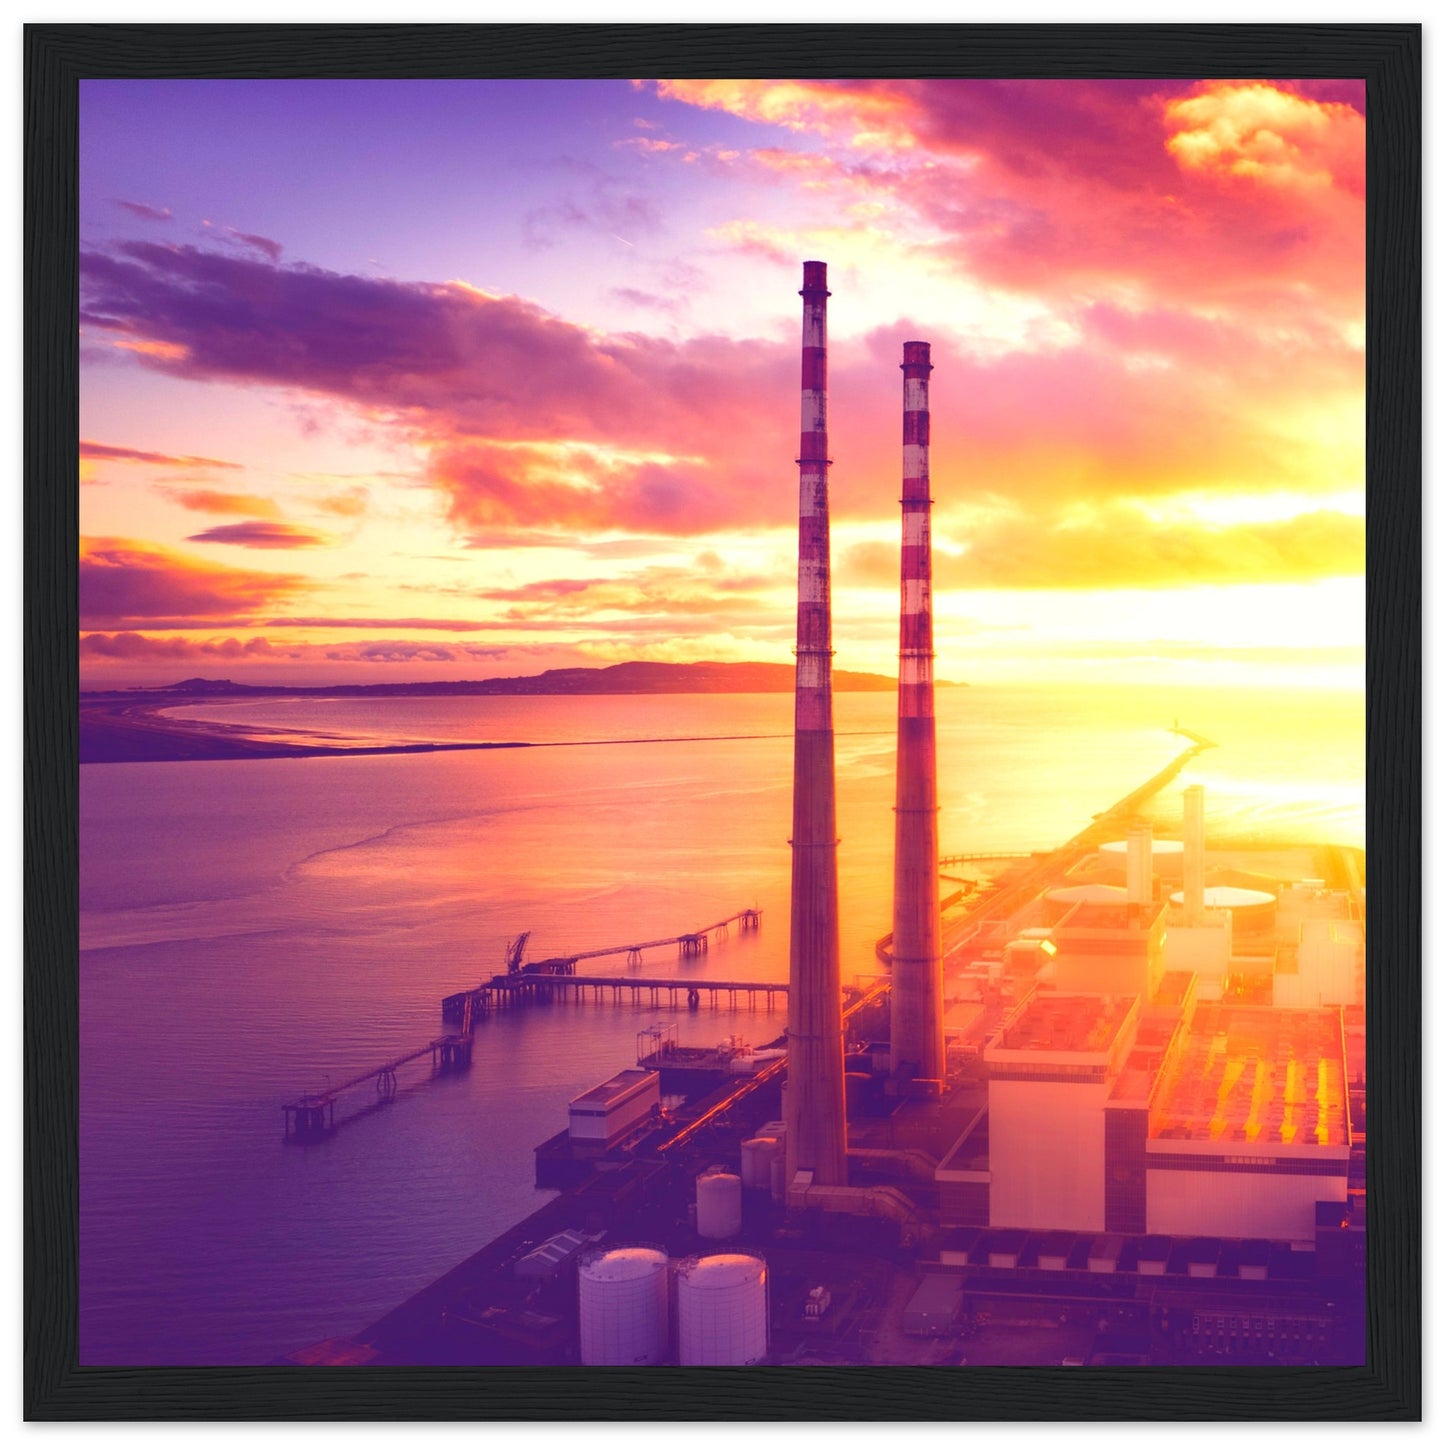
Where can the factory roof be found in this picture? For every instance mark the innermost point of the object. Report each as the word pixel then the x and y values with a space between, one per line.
pixel 1092 917
pixel 1249 1079
pixel 1331 930
pixel 609 1091
pixel 1065 1023
pixel 1173 990
pixel 1136 1078
pixel 1146 1060
pixel 1088 893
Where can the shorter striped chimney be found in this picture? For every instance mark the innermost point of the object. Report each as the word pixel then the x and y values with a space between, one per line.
pixel 1193 855
pixel 1140 863
pixel 916 1031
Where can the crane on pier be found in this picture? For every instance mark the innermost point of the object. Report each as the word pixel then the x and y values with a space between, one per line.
pixel 514 952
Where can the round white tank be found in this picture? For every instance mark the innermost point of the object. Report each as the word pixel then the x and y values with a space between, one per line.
pixel 719 1205
pixel 1251 909
pixel 1161 848
pixel 722 1310
pixel 757 1162
pixel 622 1307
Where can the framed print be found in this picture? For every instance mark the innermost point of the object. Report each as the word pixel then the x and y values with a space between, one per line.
pixel 703 737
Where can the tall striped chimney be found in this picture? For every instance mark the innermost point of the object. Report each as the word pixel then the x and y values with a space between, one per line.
pixel 815 1110
pixel 916 1042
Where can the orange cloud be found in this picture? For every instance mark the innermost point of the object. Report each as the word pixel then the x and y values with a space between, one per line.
pixel 225 503
pixel 1269 135
pixel 1085 191
pixel 1117 546
pixel 530 422
pixel 352 502
pixel 861 113
pixel 663 591
pixel 126 584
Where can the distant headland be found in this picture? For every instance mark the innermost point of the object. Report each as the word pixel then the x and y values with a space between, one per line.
pixel 622 677
pixel 127 725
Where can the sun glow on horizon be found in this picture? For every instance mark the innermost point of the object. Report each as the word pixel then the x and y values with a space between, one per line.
pixel 312 456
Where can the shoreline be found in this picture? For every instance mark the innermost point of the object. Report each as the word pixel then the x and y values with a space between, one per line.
pixel 138 732
pixel 473 1312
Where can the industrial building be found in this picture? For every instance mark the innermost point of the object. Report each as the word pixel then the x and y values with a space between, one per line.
pixel 1116 1089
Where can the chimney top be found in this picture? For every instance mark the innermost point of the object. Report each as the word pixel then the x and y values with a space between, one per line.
pixel 915 354
pixel 815 278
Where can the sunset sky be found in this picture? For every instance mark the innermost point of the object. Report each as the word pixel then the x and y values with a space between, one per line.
pixel 393 380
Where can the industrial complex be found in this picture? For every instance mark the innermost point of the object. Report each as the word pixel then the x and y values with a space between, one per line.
pixel 1104 1106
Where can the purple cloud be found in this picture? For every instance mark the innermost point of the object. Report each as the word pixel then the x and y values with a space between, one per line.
pixel 261 534
pixel 263 244
pixel 146 213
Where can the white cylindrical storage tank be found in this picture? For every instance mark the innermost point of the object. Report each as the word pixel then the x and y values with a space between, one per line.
pixel 1166 856
pixel 778 1175
pixel 1251 909
pixel 757 1162
pixel 719 1205
pixel 722 1310
pixel 622 1307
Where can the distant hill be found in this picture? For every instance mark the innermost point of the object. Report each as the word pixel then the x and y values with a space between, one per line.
pixel 623 677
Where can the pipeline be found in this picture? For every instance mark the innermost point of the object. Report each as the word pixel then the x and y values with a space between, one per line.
pixel 879 1201
pixel 914 1162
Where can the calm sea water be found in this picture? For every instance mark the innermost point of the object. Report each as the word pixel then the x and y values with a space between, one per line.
pixel 253 930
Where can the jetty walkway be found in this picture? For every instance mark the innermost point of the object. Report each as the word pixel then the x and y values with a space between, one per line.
pixel 1026 882
pixel 549 978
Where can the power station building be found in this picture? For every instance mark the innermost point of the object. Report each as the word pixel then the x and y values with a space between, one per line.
pixel 1132 1093
pixel 1165 1055
pixel 1105 1115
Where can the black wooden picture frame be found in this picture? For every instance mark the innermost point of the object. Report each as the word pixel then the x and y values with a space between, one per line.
pixel 57 57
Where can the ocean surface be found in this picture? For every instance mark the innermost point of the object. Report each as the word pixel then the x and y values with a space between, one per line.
pixel 252 931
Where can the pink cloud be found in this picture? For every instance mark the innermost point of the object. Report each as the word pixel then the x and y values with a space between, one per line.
pixel 145 212
pixel 98 451
pixel 135 646
pixel 702 591
pixel 531 424
pixel 490 385
pixel 419 624
pixel 1190 192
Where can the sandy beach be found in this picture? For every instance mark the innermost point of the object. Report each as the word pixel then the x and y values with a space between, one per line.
pixel 141 732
